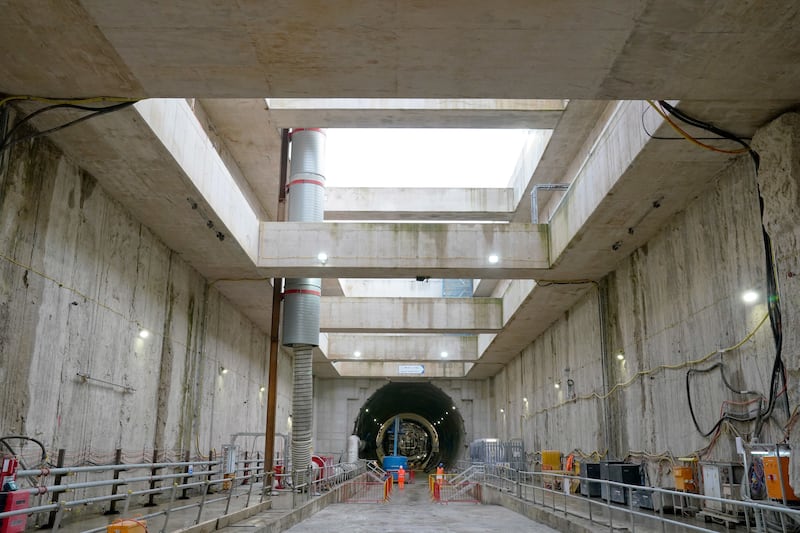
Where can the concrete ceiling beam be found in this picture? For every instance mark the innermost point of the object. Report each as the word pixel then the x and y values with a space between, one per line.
pixel 415 118
pixel 417 348
pixel 410 315
pixel 384 250
pixel 410 369
pixel 423 204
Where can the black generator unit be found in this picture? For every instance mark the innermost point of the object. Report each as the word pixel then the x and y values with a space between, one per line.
pixel 604 466
pixel 590 488
pixel 623 473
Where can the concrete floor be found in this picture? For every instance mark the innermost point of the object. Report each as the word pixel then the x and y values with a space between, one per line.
pixel 412 510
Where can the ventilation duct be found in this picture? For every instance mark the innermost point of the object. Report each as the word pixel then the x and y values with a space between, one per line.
pixel 306 196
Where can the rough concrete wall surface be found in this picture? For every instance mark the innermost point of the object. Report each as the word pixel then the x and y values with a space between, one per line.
pixel 79 280
pixel 568 350
pixel 678 299
pixel 673 302
pixel 778 145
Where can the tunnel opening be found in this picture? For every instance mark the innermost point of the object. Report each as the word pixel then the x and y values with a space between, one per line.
pixel 431 430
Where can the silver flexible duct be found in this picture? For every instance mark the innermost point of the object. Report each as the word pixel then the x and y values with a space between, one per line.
pixel 306 196
pixel 302 413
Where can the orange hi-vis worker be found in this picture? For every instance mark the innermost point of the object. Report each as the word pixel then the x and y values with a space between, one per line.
pixel 440 474
pixel 401 477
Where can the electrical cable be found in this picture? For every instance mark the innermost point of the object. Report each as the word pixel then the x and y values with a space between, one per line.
pixel 642 373
pixel 7 142
pixel 725 416
pixel 47 100
pixel 38 112
pixel 773 299
pixel 689 137
pixel 678 138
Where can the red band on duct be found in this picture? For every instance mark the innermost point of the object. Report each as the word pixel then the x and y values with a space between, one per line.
pixel 319 130
pixel 310 182
pixel 303 291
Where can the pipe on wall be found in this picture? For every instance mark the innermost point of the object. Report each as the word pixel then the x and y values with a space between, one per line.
pixel 535 199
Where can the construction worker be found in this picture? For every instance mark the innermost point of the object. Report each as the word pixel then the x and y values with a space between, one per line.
pixel 437 487
pixel 401 477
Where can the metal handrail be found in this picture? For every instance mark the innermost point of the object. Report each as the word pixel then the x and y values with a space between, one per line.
pixel 507 479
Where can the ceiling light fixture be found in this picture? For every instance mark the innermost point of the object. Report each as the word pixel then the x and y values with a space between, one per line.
pixel 444 354
pixel 356 354
pixel 322 257
pixel 144 333
pixel 494 258
pixel 749 297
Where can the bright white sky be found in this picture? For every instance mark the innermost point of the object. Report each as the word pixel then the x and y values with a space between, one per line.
pixel 421 157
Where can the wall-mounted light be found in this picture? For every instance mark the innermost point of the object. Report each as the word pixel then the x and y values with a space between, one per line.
pixel 356 354
pixel 557 385
pixel 322 257
pixel 262 388
pixel 454 408
pixel 494 259
pixel 621 356
pixel 525 400
pixel 223 370
pixel 444 354
pixel 144 334
pixel 749 297
pixel 502 410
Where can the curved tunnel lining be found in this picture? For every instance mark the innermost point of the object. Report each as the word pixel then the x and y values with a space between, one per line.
pixel 420 403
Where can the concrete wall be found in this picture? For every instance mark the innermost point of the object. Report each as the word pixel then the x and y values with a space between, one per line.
pixel 673 301
pixel 79 279
pixel 778 144
pixel 337 403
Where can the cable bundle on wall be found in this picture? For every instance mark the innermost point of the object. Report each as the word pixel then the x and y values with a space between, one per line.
pixel 778 376
pixel 13 137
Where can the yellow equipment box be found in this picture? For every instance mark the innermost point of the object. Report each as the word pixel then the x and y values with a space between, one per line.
pixel 127 526
pixel 684 479
pixel 774 478
pixel 551 460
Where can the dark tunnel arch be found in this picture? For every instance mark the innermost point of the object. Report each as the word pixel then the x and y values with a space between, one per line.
pixel 422 399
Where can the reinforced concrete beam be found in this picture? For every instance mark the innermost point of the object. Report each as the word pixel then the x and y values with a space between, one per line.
pixel 383 250
pixel 439 204
pixel 410 369
pixel 394 348
pixel 416 118
pixel 410 315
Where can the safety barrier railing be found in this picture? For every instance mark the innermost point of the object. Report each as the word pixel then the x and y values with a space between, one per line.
pixel 326 479
pixel 470 473
pixel 364 491
pixel 206 480
pixel 546 489
pixel 183 479
pixel 446 488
